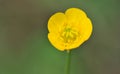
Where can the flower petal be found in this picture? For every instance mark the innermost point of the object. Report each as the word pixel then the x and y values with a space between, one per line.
pixel 56 22
pixel 88 28
pixel 79 21
pixel 55 41
pixel 74 17
pixel 74 14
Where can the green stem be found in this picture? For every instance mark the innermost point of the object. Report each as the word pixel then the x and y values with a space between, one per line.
pixel 68 62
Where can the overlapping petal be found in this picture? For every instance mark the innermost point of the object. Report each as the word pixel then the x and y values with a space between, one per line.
pixel 87 28
pixel 75 18
pixel 56 41
pixel 56 22
pixel 79 20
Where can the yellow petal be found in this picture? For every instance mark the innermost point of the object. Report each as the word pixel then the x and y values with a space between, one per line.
pixel 85 32
pixel 55 41
pixel 79 21
pixel 56 22
pixel 74 14
pixel 86 28
pixel 74 17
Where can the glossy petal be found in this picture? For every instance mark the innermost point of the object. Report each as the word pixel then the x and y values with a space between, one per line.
pixel 73 13
pixel 75 17
pixel 55 41
pixel 87 28
pixel 56 22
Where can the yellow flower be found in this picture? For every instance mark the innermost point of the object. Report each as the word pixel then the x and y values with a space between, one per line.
pixel 70 29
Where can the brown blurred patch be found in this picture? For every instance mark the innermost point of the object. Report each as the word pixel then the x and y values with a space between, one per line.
pixel 21 18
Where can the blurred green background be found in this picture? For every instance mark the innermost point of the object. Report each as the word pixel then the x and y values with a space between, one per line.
pixel 25 49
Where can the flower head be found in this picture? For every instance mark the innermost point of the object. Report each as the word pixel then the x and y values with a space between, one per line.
pixel 70 29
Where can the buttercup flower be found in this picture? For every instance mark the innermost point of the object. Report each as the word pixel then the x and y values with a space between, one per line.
pixel 70 29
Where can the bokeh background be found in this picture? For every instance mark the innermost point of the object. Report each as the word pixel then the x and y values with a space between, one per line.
pixel 25 49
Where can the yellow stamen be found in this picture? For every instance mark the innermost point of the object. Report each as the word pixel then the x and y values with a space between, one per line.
pixel 69 35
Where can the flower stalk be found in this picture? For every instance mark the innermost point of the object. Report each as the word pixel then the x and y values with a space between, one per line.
pixel 68 64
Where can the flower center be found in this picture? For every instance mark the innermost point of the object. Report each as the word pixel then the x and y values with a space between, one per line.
pixel 69 35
